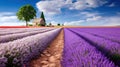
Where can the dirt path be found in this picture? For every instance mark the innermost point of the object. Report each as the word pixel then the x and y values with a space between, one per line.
pixel 51 57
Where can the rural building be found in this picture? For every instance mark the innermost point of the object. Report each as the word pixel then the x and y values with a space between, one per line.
pixel 39 21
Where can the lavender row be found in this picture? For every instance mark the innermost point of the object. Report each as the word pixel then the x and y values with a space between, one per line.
pixel 114 38
pixel 106 43
pixel 21 51
pixel 78 53
pixel 16 29
pixel 11 37
pixel 110 48
pixel 7 29
pixel 12 29
pixel 20 30
pixel 106 33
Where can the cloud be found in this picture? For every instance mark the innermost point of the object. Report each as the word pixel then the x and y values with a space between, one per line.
pixel 6 13
pixel 112 21
pixel 96 21
pixel 88 14
pixel 76 23
pixel 12 24
pixel 50 7
pixel 54 7
pixel 94 18
pixel 84 4
pixel 95 3
pixel 54 22
pixel 111 5
pixel 79 5
pixel 118 13
pixel 9 19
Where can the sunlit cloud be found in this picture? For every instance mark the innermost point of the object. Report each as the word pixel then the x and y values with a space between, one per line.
pixel 54 7
pixel 9 19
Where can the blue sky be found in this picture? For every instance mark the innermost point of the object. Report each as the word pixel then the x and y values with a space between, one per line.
pixel 67 12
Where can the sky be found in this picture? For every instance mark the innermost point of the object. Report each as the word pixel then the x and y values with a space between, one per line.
pixel 67 12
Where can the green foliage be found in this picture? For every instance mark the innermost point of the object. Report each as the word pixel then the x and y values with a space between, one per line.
pixel 30 25
pixel 116 57
pixel 58 24
pixel 42 16
pixel 26 13
pixel 50 24
pixel 11 62
pixel 39 24
pixel 42 24
pixel 62 24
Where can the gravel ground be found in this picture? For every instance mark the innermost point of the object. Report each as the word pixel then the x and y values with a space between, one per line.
pixel 51 57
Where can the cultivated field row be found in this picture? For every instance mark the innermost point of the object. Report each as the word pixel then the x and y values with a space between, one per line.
pixel 19 35
pixel 83 47
pixel 19 52
pixel 88 48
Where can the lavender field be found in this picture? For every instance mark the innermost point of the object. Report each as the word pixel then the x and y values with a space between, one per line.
pixel 60 33
pixel 83 47
pixel 19 45
pixel 91 47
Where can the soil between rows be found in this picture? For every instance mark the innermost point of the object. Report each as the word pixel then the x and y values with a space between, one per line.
pixel 52 56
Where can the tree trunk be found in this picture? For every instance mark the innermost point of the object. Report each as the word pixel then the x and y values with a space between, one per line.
pixel 26 23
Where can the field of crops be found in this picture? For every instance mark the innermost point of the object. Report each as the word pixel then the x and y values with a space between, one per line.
pixel 83 47
pixel 91 47
pixel 19 45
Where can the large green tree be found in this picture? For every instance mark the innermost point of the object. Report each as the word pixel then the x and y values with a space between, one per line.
pixel 26 13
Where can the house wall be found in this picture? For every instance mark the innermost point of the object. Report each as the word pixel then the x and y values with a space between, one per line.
pixel 36 22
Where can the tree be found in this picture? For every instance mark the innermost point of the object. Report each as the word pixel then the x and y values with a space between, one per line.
pixel 62 24
pixel 42 16
pixel 26 13
pixel 50 24
pixel 58 24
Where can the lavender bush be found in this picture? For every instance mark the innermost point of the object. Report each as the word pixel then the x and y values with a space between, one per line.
pixel 108 47
pixel 78 53
pixel 19 52
pixel 108 33
pixel 11 37
pixel 6 31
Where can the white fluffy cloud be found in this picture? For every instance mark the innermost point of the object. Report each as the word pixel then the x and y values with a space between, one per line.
pixel 50 7
pixel 54 22
pixel 112 21
pixel 96 20
pixel 84 4
pixel 79 5
pixel 6 13
pixel 9 19
pixel 54 7
pixel 95 3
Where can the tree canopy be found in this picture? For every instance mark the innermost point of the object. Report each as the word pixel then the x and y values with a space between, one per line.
pixel 58 24
pixel 26 13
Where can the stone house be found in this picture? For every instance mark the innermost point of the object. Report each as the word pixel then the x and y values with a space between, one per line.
pixel 39 22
